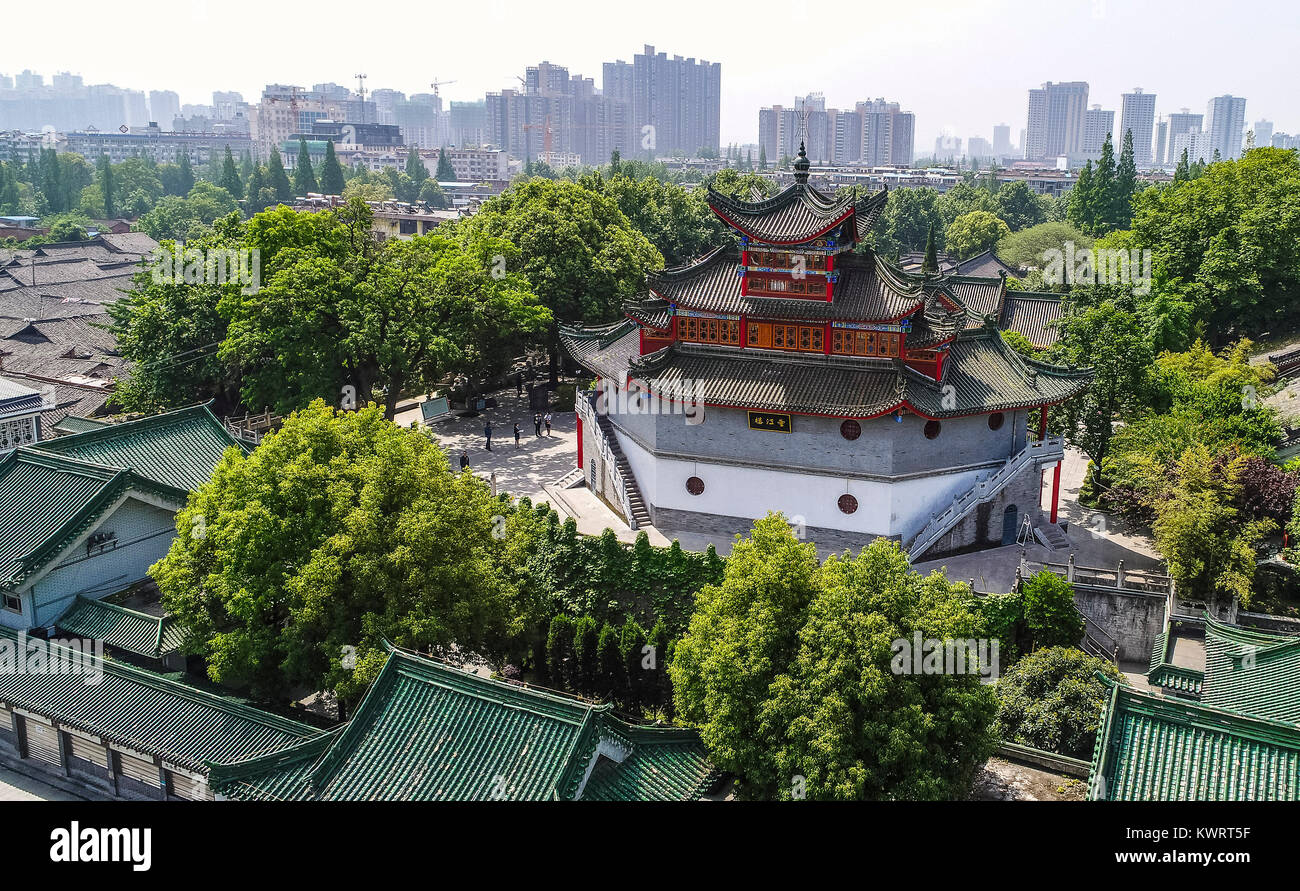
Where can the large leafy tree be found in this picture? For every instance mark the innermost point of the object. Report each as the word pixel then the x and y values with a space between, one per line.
pixel 574 246
pixel 340 530
pixel 787 670
pixel 974 233
pixel 169 332
pixel 906 221
pixel 677 222
pixel 1108 338
pixel 1017 206
pixel 342 318
pixel 1209 546
pixel 1224 243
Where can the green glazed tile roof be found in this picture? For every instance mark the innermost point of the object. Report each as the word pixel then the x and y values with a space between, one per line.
pixel 1256 672
pixel 1151 748
pixel 149 713
pixel 74 424
pixel 179 449
pixel 120 627
pixel 664 764
pixel 39 496
pixel 428 732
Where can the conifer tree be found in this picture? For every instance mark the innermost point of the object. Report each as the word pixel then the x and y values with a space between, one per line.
pixel 229 179
pixel 277 179
pixel 304 178
pixel 331 172
pixel 445 172
pixel 104 173
pixel 1182 170
pixel 1125 185
pixel 186 181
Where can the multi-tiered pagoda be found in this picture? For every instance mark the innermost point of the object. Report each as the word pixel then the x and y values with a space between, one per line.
pixel 797 371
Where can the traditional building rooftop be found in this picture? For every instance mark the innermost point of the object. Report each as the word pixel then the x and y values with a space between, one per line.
pixel 1240 742
pixel 429 732
pixel 50 493
pixel 149 713
pixel 1151 748
pixel 985 373
pixel 122 628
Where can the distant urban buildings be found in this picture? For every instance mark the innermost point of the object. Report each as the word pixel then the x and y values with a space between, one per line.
pixel 874 133
pixel 67 103
pixel 1263 133
pixel 163 146
pixel 1183 127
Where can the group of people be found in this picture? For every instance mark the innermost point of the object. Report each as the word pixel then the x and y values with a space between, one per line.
pixel 539 420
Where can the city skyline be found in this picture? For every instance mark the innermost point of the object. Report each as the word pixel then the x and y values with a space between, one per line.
pixel 1257 63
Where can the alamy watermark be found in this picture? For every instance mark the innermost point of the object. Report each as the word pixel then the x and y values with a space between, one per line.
pixel 659 397
pixel 37 656
pixel 1103 266
pixel 921 655
pixel 211 266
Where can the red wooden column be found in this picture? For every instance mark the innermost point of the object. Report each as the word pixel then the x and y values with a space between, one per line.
pixel 580 443
pixel 1056 489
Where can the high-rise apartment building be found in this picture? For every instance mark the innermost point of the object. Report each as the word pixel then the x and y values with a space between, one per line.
pixel 678 100
pixel 1263 133
pixel 1056 120
pixel 1002 147
pixel 164 108
pixel 1137 116
pixel 1182 123
pixel 1225 116
pixel 1098 123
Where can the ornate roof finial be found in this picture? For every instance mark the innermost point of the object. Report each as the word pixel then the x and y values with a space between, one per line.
pixel 801 165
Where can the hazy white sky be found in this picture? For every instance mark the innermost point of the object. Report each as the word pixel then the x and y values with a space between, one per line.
pixel 960 66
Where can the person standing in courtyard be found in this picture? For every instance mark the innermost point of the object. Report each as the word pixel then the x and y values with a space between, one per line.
pixel 537 423
pixel 548 423
pixel 487 433
pixel 464 459
pixel 517 432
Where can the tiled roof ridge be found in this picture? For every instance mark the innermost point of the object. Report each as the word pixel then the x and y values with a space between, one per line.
pixel 156 681
pixel 1206 717
pixel 312 747
pixel 696 266
pixel 790 193
pixel 125 428
pixel 1046 296
pixel 160 622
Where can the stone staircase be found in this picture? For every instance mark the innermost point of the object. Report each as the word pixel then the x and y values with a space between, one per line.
pixel 1039 452
pixel 1050 536
pixel 639 516
pixel 570 480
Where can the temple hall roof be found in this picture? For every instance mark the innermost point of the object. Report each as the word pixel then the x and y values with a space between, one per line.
pixel 430 732
pixel 799 213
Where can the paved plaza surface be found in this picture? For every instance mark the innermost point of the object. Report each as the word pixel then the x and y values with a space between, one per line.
pixel 532 469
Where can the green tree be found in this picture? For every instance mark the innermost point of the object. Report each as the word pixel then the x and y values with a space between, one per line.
pixel 1209 548
pixel 445 172
pixel 974 233
pixel 575 247
pixel 331 172
pixel 1126 185
pixel 415 171
pixel 304 178
pixel 1050 614
pixel 277 180
pixel 788 670
pixel 1082 211
pixel 1017 206
pixel 1108 339
pixel 336 532
pixel 336 311
pixel 1052 700
pixel 229 179
pixel 104 179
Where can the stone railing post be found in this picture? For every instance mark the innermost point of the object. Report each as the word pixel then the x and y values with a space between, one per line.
pixel 1069 569
pixel 1119 575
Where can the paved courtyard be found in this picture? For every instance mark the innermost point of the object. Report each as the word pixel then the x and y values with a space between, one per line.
pixel 532 469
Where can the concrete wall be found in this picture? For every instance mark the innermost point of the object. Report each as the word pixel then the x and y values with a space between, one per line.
pixel 886 448
pixel 1133 619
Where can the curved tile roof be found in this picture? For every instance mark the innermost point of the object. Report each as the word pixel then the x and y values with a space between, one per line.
pixel 796 214
pixel 117 626
pixel 867 290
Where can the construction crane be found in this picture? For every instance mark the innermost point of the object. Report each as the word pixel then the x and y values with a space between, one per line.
pixel 437 83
